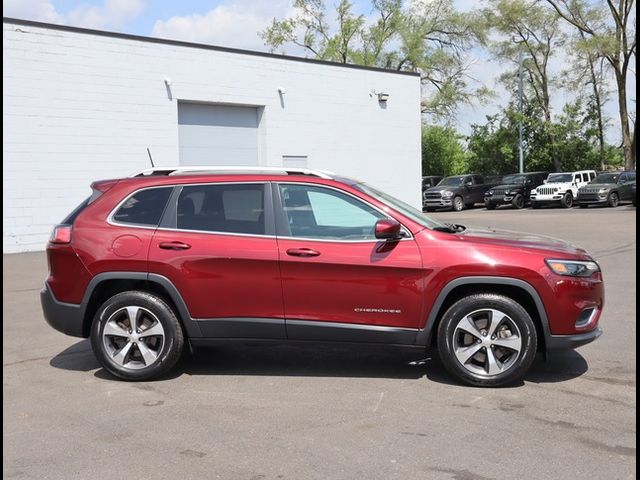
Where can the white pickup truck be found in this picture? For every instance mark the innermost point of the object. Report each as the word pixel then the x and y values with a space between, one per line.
pixel 560 188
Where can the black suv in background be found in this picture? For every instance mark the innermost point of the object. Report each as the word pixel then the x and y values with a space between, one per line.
pixel 513 190
pixel 608 189
pixel 455 192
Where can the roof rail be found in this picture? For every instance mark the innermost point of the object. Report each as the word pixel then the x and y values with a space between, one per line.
pixel 231 170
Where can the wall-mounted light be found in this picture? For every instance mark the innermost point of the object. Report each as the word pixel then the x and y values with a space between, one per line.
pixel 167 81
pixel 383 97
pixel 281 90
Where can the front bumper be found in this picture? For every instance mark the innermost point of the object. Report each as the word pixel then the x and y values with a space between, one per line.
pixel 499 199
pixel 569 342
pixel 64 317
pixel 437 203
pixel 546 200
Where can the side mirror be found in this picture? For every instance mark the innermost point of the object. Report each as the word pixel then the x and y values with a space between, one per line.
pixel 388 229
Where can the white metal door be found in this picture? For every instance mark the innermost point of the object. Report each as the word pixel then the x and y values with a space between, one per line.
pixel 217 134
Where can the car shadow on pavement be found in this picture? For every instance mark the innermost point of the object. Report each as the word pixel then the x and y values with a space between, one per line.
pixel 306 360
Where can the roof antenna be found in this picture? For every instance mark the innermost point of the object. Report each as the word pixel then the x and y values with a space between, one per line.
pixel 150 159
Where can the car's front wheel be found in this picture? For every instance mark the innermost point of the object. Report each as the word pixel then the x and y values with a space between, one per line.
pixel 518 201
pixel 458 204
pixel 613 199
pixel 567 200
pixel 487 340
pixel 136 336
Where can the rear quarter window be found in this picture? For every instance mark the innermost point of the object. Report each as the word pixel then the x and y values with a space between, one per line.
pixel 144 207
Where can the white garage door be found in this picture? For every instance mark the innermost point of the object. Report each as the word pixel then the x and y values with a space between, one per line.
pixel 217 134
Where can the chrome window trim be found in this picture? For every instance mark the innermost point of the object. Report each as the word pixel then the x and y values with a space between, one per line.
pixel 110 220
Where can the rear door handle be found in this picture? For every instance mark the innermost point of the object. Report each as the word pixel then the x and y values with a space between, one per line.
pixel 174 246
pixel 302 252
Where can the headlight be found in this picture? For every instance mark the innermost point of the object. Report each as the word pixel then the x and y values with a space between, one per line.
pixel 489 193
pixel 573 268
pixel 508 192
pixel 447 194
pixel 602 190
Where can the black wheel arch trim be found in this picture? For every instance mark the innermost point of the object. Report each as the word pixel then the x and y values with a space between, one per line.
pixel 425 334
pixel 191 327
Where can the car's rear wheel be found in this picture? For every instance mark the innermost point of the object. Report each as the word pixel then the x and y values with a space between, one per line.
pixel 458 204
pixel 567 200
pixel 518 201
pixel 487 340
pixel 613 199
pixel 136 336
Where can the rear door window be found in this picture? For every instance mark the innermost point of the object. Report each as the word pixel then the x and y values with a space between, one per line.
pixel 223 208
pixel 144 207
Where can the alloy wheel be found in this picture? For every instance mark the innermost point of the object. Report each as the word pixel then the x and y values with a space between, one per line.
pixel 487 342
pixel 133 337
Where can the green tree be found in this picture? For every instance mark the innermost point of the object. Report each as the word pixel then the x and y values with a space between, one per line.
pixel 609 29
pixel 430 38
pixel 442 151
pixel 493 146
pixel 526 28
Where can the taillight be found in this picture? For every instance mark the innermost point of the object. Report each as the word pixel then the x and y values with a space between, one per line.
pixel 61 234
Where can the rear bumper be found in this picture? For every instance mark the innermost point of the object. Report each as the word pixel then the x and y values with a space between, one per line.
pixel 569 342
pixel 64 317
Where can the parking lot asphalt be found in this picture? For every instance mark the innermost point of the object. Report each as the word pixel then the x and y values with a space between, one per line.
pixel 297 412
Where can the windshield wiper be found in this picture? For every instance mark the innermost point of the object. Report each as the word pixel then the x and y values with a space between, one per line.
pixel 450 228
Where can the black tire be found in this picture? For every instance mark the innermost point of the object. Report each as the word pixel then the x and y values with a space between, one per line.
pixel 457 204
pixel 154 310
pixel 518 201
pixel 518 324
pixel 535 205
pixel 567 200
pixel 490 206
pixel 613 200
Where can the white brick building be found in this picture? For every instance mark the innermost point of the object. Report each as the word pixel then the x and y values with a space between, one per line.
pixel 81 105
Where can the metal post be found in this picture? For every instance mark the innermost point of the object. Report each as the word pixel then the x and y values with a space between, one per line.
pixel 520 147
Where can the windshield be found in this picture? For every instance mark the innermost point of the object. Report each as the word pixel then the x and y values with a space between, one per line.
pixel 511 179
pixel 606 178
pixel 400 206
pixel 560 177
pixel 451 182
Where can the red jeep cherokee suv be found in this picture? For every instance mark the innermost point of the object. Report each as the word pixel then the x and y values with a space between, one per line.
pixel 200 255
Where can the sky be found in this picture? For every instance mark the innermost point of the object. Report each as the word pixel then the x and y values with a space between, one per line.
pixel 235 23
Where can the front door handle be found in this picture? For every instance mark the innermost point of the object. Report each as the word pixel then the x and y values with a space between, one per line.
pixel 174 246
pixel 302 252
